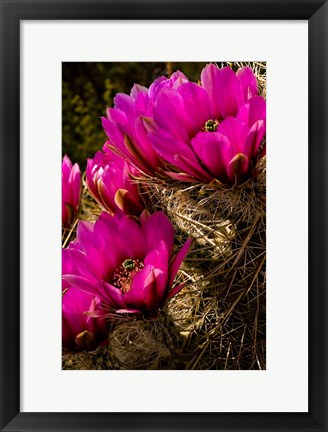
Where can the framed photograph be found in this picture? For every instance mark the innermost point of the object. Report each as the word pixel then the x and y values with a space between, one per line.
pixel 189 230
pixel 183 286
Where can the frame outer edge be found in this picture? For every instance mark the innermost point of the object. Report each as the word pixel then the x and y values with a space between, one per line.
pixel 318 211
pixel 9 218
pixel 163 9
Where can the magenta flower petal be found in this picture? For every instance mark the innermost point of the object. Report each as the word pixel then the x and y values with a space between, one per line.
pixel 228 92
pixel 142 103
pixel 80 330
pixel 119 118
pixel 257 110
pixel 236 131
pixel 143 287
pixel 178 259
pixel 224 90
pixel 87 241
pixel 67 263
pixel 111 294
pixel 175 290
pixel 156 86
pixel 124 237
pixel 112 253
pixel 252 111
pixel 66 166
pixel 137 89
pixel 196 106
pixel 77 262
pixel 92 184
pixel 74 304
pixel 124 104
pixel 140 133
pixel 169 115
pixel 157 229
pixel 209 79
pixel 81 283
pixel 254 138
pixel 85 235
pixel 113 131
pixel 192 167
pixel 94 249
pixel 108 230
pixel 71 191
pixel 248 82
pixel 159 258
pixel 238 167
pixel 177 78
pixel 131 238
pixel 144 293
pixel 170 148
pixel 75 179
pixel 214 150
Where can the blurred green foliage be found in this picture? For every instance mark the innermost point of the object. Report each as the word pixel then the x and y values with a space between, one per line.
pixel 88 88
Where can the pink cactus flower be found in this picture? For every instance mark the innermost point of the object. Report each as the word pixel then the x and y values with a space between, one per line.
pixel 129 266
pixel 71 191
pixel 109 180
pixel 125 124
pixel 80 330
pixel 214 130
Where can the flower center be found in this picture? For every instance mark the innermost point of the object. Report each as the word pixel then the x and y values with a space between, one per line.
pixel 124 274
pixel 211 125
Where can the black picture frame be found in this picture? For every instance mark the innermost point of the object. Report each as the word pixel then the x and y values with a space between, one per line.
pixel 12 12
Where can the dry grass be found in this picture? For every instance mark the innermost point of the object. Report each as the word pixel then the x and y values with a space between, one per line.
pixel 146 344
pixel 99 359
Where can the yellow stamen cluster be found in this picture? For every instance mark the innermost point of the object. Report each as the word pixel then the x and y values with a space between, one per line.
pixel 211 125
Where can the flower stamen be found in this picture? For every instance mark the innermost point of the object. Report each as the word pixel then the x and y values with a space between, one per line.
pixel 211 125
pixel 125 273
pixel 129 264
